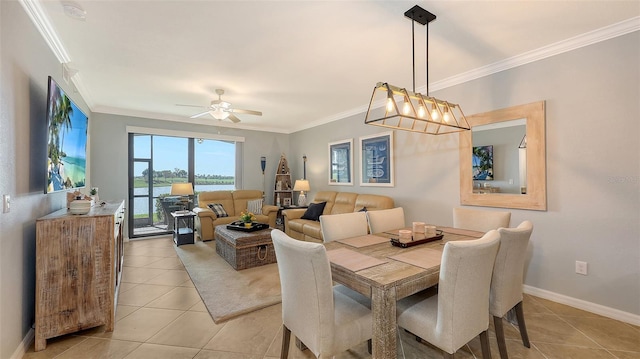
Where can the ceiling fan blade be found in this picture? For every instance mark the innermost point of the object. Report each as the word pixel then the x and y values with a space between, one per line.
pixel 247 112
pixel 199 114
pixel 198 106
pixel 233 118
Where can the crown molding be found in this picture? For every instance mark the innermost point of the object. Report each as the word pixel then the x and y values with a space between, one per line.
pixel 42 23
pixel 557 48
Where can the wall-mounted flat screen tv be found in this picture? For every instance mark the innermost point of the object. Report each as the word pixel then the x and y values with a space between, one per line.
pixel 66 142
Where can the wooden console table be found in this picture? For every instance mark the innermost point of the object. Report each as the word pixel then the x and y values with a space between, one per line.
pixel 78 270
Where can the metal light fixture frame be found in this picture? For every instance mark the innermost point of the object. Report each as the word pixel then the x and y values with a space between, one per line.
pixel 410 110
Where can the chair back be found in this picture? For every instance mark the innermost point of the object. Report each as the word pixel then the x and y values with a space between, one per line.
pixel 479 220
pixel 307 290
pixel 386 219
pixel 463 289
pixel 508 271
pixel 345 225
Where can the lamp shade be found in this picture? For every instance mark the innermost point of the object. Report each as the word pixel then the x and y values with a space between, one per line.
pixel 301 185
pixel 181 189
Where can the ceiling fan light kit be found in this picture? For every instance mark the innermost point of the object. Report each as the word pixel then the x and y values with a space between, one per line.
pixel 397 108
pixel 222 110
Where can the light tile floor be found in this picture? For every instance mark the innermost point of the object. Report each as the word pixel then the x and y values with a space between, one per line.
pixel 160 315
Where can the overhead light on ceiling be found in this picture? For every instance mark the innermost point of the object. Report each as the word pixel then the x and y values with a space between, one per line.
pixel 410 110
pixel 220 109
pixel 74 11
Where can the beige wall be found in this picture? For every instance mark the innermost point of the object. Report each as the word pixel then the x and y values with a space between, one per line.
pixel 593 169
pixel 25 63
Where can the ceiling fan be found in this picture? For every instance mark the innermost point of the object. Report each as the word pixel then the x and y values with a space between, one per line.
pixel 222 110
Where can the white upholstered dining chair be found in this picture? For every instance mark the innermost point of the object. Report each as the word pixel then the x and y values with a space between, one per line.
pixel 386 219
pixel 460 310
pixel 344 225
pixel 327 319
pixel 480 220
pixel 506 284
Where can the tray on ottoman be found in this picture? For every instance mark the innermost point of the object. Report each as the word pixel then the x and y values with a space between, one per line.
pixel 240 226
pixel 244 250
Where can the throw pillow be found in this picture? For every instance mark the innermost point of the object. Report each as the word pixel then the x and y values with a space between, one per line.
pixel 218 210
pixel 255 206
pixel 314 211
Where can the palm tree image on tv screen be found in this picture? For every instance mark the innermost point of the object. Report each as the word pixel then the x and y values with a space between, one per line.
pixel 66 143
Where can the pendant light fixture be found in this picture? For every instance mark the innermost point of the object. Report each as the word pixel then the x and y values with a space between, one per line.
pixel 409 110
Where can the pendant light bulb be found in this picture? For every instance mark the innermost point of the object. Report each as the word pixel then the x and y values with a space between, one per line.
pixel 421 111
pixel 434 113
pixel 406 108
pixel 389 104
pixel 446 116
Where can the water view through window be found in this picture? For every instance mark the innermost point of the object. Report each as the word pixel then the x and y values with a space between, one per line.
pixel 159 161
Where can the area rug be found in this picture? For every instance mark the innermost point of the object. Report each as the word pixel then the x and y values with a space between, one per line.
pixel 228 293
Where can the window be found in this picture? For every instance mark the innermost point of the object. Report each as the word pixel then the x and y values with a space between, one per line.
pixel 156 161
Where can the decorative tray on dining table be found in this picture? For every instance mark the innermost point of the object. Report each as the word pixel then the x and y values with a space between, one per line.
pixel 240 226
pixel 415 240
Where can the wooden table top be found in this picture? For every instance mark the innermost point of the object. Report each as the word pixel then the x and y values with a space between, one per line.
pixel 392 272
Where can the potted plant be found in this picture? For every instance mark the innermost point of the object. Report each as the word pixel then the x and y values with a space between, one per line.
pixel 247 217
pixel 94 194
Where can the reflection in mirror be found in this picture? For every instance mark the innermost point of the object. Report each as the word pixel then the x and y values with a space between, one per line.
pixel 516 136
pixel 503 171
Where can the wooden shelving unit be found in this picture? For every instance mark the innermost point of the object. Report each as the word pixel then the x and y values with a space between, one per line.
pixel 283 187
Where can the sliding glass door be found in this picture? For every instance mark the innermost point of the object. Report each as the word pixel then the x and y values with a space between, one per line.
pixel 155 162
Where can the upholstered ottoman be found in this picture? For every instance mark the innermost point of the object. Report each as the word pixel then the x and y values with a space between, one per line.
pixel 244 249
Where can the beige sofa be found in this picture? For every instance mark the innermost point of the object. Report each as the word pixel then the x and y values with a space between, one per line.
pixel 233 203
pixel 337 202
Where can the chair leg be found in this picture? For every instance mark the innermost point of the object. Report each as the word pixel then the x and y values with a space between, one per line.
pixel 300 345
pixel 522 326
pixel 370 346
pixel 484 342
pixel 502 345
pixel 286 337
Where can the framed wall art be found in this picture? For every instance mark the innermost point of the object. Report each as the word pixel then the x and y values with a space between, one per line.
pixel 341 162
pixel 376 160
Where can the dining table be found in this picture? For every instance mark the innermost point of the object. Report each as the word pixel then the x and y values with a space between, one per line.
pixel 385 273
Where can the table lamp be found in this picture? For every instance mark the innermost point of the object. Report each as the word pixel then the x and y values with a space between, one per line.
pixel 302 185
pixel 183 189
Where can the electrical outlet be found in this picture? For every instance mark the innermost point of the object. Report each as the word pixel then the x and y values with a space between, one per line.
pixel 6 203
pixel 581 267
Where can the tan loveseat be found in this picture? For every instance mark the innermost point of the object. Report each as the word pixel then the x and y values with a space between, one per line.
pixel 337 202
pixel 233 203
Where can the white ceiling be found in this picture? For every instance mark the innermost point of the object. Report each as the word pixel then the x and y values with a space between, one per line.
pixel 302 63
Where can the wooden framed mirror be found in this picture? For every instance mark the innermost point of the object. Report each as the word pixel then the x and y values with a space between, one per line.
pixel 533 195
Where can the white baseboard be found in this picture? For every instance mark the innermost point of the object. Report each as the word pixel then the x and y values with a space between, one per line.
pixel 24 345
pixel 584 305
